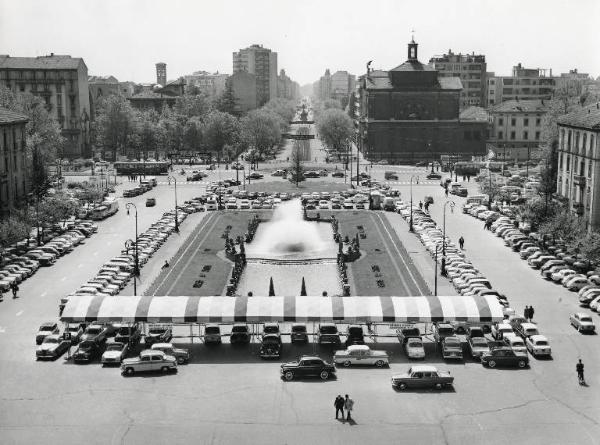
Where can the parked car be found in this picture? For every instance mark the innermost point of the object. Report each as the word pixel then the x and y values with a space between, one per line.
pixel 114 353
pixel 360 355
pixel 53 346
pixel 128 333
pixel 422 376
pixel 478 346
pixel 582 322
pixel 538 345
pixel 158 333
pixel 149 361
pixel 525 330
pixel 307 366
pixel 88 350
pixel 298 334
pixel 452 348
pixel 413 346
pixel 442 330
pixel 501 329
pixel 355 335
pixel 270 346
pixel 328 334
pixel 45 330
pixel 181 355
pixel 239 334
pixel 515 342
pixel 504 357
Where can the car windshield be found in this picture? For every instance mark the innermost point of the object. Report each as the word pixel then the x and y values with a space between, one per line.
pixel 328 329
pixel 587 319
pixel 47 328
pixel 452 342
pixel 86 345
pixel 50 340
pixel 239 329
pixel 73 329
pixel 114 347
pixel 271 329
pixel 478 341
pixel 414 344
pixel 94 330
pixel 517 343
pixel 299 328
pixel 541 343
pixel 157 330
pixel 270 340
pixel 212 330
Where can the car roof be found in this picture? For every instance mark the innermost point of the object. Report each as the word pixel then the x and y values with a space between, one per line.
pixel 528 326
pixel 161 345
pixel 48 324
pixel 150 352
pixel 310 357
pixel 358 348
pixel 581 314
pixel 423 368
pixel 538 338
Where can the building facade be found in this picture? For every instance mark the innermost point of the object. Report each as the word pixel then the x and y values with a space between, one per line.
pixel 579 163
pixel 524 84
pixel 243 85
pixel 471 69
pixel 286 87
pixel 161 73
pixel 261 62
pixel 211 84
pixel 62 81
pixel 410 113
pixel 342 85
pixel 517 129
pixel 13 167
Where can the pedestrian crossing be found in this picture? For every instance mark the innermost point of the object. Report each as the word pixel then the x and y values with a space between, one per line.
pixel 413 183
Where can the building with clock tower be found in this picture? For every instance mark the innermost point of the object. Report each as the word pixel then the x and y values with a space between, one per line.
pixel 411 114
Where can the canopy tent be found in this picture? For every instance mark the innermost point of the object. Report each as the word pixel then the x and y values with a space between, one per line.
pixel 294 308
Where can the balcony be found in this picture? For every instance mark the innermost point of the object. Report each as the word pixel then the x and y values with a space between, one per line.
pixel 578 208
pixel 579 180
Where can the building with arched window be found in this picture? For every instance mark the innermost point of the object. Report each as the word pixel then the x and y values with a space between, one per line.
pixel 579 163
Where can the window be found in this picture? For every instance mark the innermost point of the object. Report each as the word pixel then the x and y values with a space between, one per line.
pixel 500 121
pixel 568 163
pixel 560 159
pixel 538 122
pixel 512 135
pixel 590 169
pixel 537 135
pixel 525 135
pixel 500 135
pixel 526 122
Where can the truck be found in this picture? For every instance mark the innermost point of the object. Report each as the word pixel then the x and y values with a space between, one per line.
pixel 360 355
pixel 422 376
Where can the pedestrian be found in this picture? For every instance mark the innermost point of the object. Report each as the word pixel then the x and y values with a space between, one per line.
pixel 164 266
pixel 531 313
pixel 1 294
pixel 339 406
pixel 461 242
pixel 420 205
pixel 468 178
pixel 579 368
pixel 349 405
pixel 526 313
pixel 485 225
pixel 14 289
pixel 446 192
pixel 427 206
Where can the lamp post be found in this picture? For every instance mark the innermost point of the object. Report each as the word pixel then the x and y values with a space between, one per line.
pixel 410 226
pixel 129 244
pixel 136 267
pixel 452 204
pixel 437 249
pixel 176 216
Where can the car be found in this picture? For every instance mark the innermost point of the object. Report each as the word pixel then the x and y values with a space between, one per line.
pixel 434 175
pixel 307 366
pixel 413 346
pixel 95 332
pixel 525 330
pixel 158 333
pixel 515 342
pixel 181 355
pixel 478 346
pixel 298 334
pixel 328 334
pixel 114 353
pixel 128 333
pixel 271 329
pixel 277 173
pixel 53 346
pixel 239 334
pixel 270 346
pixel 338 174
pixel 45 330
pixel 360 355
pixel 575 282
pixel 422 376
pixel 87 350
pixel 149 361
pixel 75 331
pixel 355 335
pixel 582 322
pixel 452 347
pixel 255 175
pixel 504 356
pixel 499 330
pixel 442 330
pixel 538 345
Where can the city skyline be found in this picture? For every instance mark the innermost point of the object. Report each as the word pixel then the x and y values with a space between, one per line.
pixel 332 35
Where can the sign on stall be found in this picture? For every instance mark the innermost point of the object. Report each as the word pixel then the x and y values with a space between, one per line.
pixel 401 325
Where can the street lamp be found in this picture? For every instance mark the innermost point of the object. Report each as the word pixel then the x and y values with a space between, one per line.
pixel 410 226
pixel 176 216
pixel 136 267
pixel 452 204
pixel 129 244
pixel 437 249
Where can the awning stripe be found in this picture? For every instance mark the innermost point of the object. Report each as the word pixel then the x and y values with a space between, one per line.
pixel 281 309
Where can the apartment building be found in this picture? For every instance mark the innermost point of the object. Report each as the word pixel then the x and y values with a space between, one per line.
pixel 262 63
pixel 13 169
pixel 524 84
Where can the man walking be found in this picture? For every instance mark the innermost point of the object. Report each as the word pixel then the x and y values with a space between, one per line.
pixel 14 289
pixel 531 313
pixel 579 368
pixel 339 406
pixel 349 405
pixel 420 205
pixel 461 242
pixel 526 313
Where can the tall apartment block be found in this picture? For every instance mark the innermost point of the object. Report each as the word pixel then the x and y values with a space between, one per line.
pixel 62 81
pixel 262 62
pixel 524 84
pixel 471 69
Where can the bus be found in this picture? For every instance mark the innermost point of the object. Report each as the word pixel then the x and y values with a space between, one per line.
pixel 142 168
pixel 104 210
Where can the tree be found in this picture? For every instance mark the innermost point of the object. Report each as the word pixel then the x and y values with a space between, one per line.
pixel 172 129
pixel 335 129
pixel 227 102
pixel 589 246
pixel 12 230
pixel 564 226
pixel 284 108
pixel 89 193
pixel 114 125
pixel 332 104
pixel 296 167
pixel 192 134
pixel 261 131
pixel 44 141
pixel 190 105
pixel 55 209
pixel 537 211
pixel 489 187
pixel 221 130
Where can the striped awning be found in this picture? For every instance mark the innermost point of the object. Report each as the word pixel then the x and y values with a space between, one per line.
pixel 263 309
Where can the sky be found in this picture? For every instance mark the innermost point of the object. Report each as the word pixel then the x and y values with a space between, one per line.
pixel 125 38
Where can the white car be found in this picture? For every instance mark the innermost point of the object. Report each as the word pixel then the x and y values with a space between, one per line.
pixel 324 205
pixel 114 353
pixel 500 330
pixel 594 304
pixel 559 275
pixel 414 347
pixel 582 322
pixel 515 342
pixel 576 283
pixel 538 345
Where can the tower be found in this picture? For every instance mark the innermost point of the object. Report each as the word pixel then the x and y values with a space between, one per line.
pixel 161 73
pixel 412 51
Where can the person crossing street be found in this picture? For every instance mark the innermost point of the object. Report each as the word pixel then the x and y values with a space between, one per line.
pixel 579 369
pixel 339 406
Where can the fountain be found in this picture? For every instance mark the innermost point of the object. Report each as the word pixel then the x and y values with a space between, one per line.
pixel 288 248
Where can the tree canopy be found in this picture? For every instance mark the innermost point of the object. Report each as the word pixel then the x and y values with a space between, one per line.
pixel 335 129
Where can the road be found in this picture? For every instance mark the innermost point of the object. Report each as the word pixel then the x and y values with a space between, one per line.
pixel 230 396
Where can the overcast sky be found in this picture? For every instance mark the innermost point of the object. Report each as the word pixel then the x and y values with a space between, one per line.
pixel 126 38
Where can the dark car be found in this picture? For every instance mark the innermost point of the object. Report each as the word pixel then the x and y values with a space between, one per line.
pixel 239 334
pixel 88 350
pixel 307 366
pixel 328 334
pixel 434 175
pixel 355 335
pixel 158 334
pixel 128 334
pixel 504 357
pixel 150 202
pixel 270 346
pixel 337 174
pixel 299 334
pixel 255 175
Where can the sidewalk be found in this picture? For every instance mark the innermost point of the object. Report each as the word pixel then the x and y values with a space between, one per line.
pixel 419 256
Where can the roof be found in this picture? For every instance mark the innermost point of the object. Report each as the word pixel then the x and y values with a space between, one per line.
pixel 521 106
pixel 413 65
pixel 474 114
pixel 184 309
pixel 423 368
pixel 358 348
pixel 151 95
pixel 586 117
pixel 51 62
pixel 10 117
pixel 380 80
